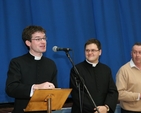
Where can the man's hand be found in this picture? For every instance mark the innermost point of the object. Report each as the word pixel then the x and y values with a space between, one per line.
pixel 101 109
pixel 45 85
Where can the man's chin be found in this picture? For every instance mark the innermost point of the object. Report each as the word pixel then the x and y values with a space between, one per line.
pixel 42 51
pixel 91 60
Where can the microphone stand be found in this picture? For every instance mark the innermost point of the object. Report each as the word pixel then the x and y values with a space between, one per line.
pixel 81 80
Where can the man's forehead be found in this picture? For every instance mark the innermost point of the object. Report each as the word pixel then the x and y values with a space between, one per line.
pixel 38 34
pixel 137 47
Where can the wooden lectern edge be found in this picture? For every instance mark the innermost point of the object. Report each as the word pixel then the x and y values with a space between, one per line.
pixel 37 103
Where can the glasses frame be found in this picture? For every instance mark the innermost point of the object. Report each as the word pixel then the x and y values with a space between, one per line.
pixel 39 39
pixel 92 50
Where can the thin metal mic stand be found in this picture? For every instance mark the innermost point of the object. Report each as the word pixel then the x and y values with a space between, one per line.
pixel 82 81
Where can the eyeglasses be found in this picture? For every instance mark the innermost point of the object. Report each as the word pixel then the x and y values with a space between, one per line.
pixel 92 50
pixel 39 39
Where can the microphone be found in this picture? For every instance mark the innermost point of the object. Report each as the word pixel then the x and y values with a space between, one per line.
pixel 55 49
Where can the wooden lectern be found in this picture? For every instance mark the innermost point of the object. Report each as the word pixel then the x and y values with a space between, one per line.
pixel 47 100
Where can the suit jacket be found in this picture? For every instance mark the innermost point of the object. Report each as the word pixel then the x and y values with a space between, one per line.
pixel 23 72
pixel 100 84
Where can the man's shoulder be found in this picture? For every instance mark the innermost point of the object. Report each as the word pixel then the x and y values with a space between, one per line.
pixel 103 65
pixel 81 63
pixel 86 63
pixel 48 60
pixel 19 57
pixel 127 64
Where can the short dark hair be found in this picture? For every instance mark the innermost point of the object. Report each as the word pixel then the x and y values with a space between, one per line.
pixel 29 30
pixel 95 41
pixel 137 43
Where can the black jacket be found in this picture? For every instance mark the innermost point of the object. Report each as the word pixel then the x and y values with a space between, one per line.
pixel 100 84
pixel 23 72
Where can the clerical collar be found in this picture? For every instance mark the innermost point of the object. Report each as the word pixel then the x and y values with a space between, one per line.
pixel 36 57
pixel 93 64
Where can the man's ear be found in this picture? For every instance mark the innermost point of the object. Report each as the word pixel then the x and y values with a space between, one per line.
pixel 28 43
pixel 100 52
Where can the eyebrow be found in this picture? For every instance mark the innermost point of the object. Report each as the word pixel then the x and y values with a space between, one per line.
pixel 39 37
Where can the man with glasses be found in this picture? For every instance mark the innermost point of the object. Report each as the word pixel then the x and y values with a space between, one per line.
pixel 30 71
pixel 128 81
pixel 97 78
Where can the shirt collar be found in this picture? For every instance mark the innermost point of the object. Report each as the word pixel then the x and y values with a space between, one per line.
pixel 36 57
pixel 132 64
pixel 93 64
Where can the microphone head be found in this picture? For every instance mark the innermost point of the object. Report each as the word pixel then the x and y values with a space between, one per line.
pixel 55 48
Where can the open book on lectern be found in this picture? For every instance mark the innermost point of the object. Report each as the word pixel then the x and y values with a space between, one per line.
pixel 38 101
